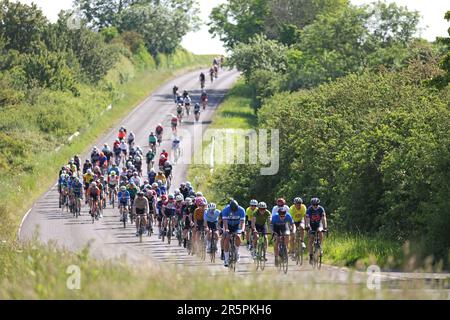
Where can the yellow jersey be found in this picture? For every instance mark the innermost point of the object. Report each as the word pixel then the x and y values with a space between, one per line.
pixel 88 177
pixel 297 214
pixel 249 213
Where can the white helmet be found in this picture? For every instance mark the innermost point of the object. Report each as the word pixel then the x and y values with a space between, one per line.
pixel 254 202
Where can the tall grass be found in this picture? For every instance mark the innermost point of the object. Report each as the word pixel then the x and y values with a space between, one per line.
pixel 33 271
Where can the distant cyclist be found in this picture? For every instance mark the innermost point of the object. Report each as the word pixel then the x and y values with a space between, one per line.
pixel 233 217
pixel 316 221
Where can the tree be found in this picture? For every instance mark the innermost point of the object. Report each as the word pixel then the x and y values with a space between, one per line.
pixel 21 26
pixel 443 80
pixel 259 54
pixel 238 21
pixel 162 26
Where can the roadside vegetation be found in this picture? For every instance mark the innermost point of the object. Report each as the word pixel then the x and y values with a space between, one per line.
pixel 363 122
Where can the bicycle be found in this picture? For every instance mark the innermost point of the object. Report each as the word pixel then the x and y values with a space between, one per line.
pixel 188 109
pixel 298 251
pixel 317 251
pixel 150 224
pixel 202 245
pixel 180 232
pixel 282 253
pixel 189 242
pixel 159 138
pixel 77 208
pixel 124 214
pixel 260 255
pixel 112 192
pixel 141 227
pixel 95 212
pixel 233 252
pixel 213 248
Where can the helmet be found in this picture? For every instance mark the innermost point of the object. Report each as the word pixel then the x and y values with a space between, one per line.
pixel 152 170
pixel 298 200
pixel 167 163
pixel 179 197
pixel 105 145
pixel 163 150
pixel 74 175
pixel 163 156
pixel 315 201
pixel 113 173
pixel 93 184
pixel 182 184
pixel 189 201
pixel 63 172
pixel 140 193
pixel 188 184
pixel 282 210
pixel 203 202
pixel 154 184
pixel 212 206
pixel 262 205
pixel 138 158
pixel 171 196
pixel 176 191
pixel 234 205
pixel 159 125
pixel 163 197
pixel 88 161
pixel 197 105
pixel 152 133
pixel 199 194
pixel 89 171
pixel 253 202
pixel 281 202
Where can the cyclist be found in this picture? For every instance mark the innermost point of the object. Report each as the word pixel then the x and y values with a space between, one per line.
pixel 211 220
pixel 279 225
pixel 138 164
pixel 204 99
pixel 63 184
pixel 133 190
pixel 174 123
pixel 316 221
pixel 176 146
pixel 175 92
pixel 113 182
pixel 140 209
pixel 150 159
pixel 117 150
pixel 233 216
pixel 199 214
pixel 123 148
pixel 77 189
pixel 162 160
pixel 202 80
pixel 88 177
pixel 260 220
pixel 188 215
pixel 94 196
pixel 162 187
pixel 168 210
pixel 161 177
pixel 159 131
pixel 248 220
pixel 151 175
pixel 122 134
pixel 184 190
pixel 298 212
pixel 211 74
pixel 281 203
pixel 216 70
pixel 114 168
pixel 159 209
pixel 197 111
pixel 187 103
pixel 95 156
pixel 185 94
pixel 135 179
pixel 152 141
pixel 180 112
pixel 86 166
pixel 124 199
pixel 168 170
pixel 107 152
pixel 77 162
pixel 103 163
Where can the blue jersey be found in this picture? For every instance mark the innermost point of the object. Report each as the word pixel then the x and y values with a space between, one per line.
pixel 77 187
pixel 63 181
pixel 211 215
pixel 276 220
pixel 315 215
pixel 233 218
pixel 151 177
pixel 163 190
pixel 124 196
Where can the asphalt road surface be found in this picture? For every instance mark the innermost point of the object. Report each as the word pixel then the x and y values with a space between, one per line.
pixel 110 240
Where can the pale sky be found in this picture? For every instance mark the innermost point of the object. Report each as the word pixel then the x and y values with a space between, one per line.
pixel 201 42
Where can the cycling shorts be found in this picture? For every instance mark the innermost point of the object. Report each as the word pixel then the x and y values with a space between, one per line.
pixel 199 225
pixel 261 228
pixel 300 224
pixel 281 229
pixel 233 228
pixel 140 211
pixel 212 225
pixel 187 223
pixel 94 197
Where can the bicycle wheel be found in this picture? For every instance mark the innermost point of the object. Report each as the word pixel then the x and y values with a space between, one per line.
pixel 202 247
pixel 124 218
pixel 258 256
pixel 169 231
pixel 285 260
pixel 141 231
pixel 213 249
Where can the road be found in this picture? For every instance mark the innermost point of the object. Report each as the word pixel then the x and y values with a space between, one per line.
pixel 107 237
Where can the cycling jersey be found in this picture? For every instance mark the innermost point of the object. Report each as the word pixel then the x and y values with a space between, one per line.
pixel 113 180
pixel 142 204
pixel 152 139
pixel 174 121
pixel 315 215
pixel 298 214
pixel 187 100
pixel 161 177
pixel 169 209
pixel 151 177
pixel 276 220
pixel 249 213
pixel 116 170
pixel 124 197
pixel 199 214
pixel 88 177
pixel 211 215
pixel 233 218
pixel 261 219
pixel 77 188
pixel 159 130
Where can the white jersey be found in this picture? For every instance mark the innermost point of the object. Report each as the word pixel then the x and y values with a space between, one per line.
pixel 275 209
